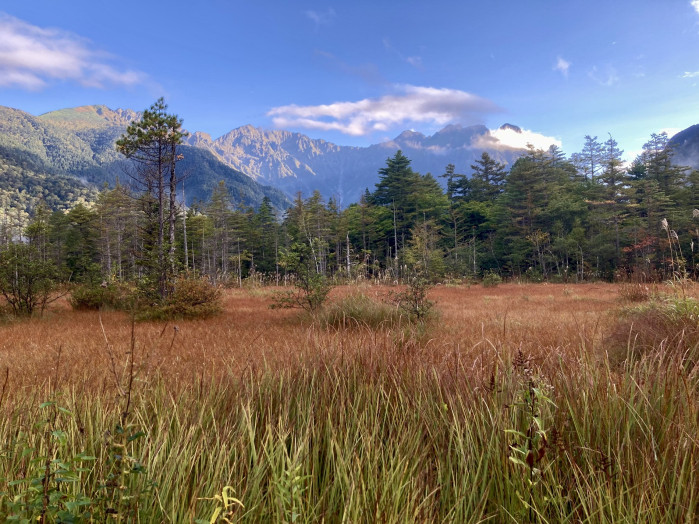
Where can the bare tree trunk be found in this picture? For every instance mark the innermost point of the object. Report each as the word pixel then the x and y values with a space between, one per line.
pixel 184 230
pixel 173 208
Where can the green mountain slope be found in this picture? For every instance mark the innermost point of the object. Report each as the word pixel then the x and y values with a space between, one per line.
pixel 65 154
pixel 25 185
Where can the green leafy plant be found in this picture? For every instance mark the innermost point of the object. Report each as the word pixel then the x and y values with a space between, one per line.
pixel 45 493
pixel 529 442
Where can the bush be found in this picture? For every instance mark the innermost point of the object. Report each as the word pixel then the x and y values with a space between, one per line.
pixel 359 310
pixel 310 293
pixel 413 300
pixel 27 281
pixel 190 298
pixel 491 279
pixel 312 287
pixel 115 295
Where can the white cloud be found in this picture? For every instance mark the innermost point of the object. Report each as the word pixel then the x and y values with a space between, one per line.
pixel 671 131
pixel 412 104
pixel 31 57
pixel 691 74
pixel 607 77
pixel 695 5
pixel 509 138
pixel 321 18
pixel 415 61
pixel 563 65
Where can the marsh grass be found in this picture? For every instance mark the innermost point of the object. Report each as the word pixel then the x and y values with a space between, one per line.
pixel 669 325
pixel 359 310
pixel 356 429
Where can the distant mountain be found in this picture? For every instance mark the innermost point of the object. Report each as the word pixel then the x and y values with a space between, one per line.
pixel 685 146
pixel 76 147
pixel 294 162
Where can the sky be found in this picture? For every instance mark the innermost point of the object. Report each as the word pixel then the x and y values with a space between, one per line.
pixel 360 72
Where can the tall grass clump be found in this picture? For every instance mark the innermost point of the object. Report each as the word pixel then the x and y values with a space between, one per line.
pixel 669 326
pixel 357 310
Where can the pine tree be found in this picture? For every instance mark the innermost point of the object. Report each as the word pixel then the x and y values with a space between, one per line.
pixel 151 143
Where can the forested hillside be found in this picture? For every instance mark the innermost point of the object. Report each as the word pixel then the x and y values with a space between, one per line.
pixel 72 153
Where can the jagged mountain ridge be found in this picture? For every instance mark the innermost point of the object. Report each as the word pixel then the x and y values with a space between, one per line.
pixel 294 162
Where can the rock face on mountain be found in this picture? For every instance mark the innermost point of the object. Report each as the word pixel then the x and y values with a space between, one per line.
pixel 89 117
pixel 685 146
pixel 294 162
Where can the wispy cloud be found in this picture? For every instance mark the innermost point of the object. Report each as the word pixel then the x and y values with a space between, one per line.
pixel 31 57
pixel 415 60
pixel 607 76
pixel 690 74
pixel 321 17
pixel 368 72
pixel 508 138
pixel 695 5
pixel 563 66
pixel 412 104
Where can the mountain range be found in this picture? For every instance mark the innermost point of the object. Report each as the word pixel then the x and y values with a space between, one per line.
pixel 72 151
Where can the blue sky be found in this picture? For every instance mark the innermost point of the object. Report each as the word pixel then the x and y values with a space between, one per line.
pixel 358 72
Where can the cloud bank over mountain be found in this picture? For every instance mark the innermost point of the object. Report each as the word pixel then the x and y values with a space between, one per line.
pixel 411 105
pixel 512 137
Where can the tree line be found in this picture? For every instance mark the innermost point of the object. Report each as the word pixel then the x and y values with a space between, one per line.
pixel 547 217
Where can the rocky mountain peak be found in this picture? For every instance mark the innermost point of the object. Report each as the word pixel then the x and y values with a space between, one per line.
pixel 513 127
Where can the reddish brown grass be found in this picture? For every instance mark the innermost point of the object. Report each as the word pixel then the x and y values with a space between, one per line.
pixel 475 325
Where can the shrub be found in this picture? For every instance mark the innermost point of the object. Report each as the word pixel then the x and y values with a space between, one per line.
pixel 190 298
pixel 27 281
pixel 359 310
pixel 636 292
pixel 413 300
pixel 115 295
pixel 491 279
pixel 310 293
pixel 312 287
